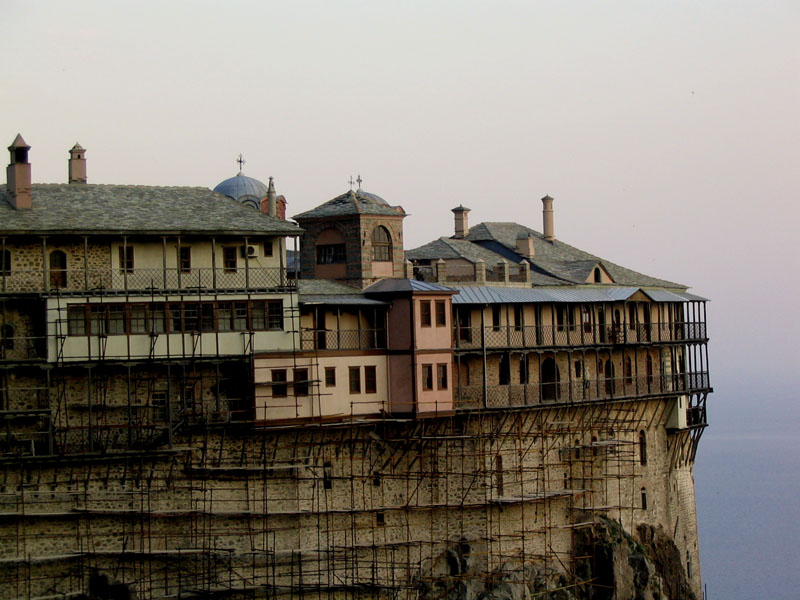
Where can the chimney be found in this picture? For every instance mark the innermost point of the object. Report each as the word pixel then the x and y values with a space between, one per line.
pixel 280 211
pixel 525 245
pixel 271 208
pixel 547 219
pixel 462 226
pixel 77 164
pixel 18 175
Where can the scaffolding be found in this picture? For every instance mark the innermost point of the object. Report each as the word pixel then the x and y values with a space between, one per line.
pixel 153 474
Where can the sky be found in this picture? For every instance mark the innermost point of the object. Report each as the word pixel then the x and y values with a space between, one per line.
pixel 666 131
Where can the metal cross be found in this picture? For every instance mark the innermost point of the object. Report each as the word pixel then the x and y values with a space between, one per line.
pixel 351 182
pixel 359 180
pixel 241 162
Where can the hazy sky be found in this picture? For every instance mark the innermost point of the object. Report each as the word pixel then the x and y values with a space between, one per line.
pixel 666 131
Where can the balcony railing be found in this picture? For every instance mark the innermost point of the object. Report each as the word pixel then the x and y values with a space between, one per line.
pixel 511 336
pixel 113 280
pixel 579 390
pixel 342 339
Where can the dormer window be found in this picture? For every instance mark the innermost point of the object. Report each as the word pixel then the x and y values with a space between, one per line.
pixel 598 275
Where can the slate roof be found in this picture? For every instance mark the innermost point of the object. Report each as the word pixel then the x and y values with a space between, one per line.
pixel 329 292
pixel 553 262
pixel 130 209
pixel 356 202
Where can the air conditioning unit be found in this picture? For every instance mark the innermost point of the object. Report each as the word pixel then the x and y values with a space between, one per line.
pixel 249 251
pixel 677 417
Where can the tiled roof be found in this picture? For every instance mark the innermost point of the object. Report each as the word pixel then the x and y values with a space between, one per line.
pixel 503 295
pixel 130 209
pixel 553 262
pixel 352 202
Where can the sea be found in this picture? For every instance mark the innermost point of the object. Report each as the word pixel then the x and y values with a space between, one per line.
pixel 747 481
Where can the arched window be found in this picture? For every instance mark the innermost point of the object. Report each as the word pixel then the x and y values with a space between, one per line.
pixel 5 263
pixel 58 269
pixel 642 448
pixel 381 245
pixel 609 376
pixel 598 275
pixel 549 377
pixel 644 499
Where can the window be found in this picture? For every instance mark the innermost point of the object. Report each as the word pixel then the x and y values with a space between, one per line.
pixel 239 316
pixel 327 475
pixel 517 317
pixel 97 319
pixel 598 275
pixel 116 319
pixel 425 313
pixel 381 245
pixel 578 369
pixel 586 319
pixel 329 254
pixel 505 370
pixel 441 376
pixel 628 371
pixel 138 315
pixel 7 335
pixel 58 269
pixel 279 383
pixel 631 316
pixel 185 259
pixel 301 382
pixel 224 316
pixel 380 519
pixel 330 376
pixel 427 377
pixel 642 448
pixel 268 248
pixel 156 318
pixel 496 317
pixel 76 318
pixel 441 313
pixel 649 367
pixel 498 474
pixel 565 315
pixel 523 368
pixel 370 380
pixel 126 259
pixel 355 379
pixel 644 499
pixel 267 314
pixel 5 263
pixel 229 259
pixel 207 321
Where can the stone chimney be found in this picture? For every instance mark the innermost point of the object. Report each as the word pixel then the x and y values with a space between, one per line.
pixel 525 245
pixel 547 219
pixel 77 164
pixel 18 175
pixel 271 204
pixel 462 225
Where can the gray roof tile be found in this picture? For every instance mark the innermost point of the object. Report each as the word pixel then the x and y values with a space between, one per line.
pixel 356 202
pixel 130 209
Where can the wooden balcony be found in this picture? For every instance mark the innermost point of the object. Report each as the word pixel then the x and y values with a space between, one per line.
pixel 539 336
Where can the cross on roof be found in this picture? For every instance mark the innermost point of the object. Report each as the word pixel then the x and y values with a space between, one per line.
pixel 241 162
pixel 359 180
pixel 351 182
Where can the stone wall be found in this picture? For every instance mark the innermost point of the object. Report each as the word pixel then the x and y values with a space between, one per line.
pixel 344 511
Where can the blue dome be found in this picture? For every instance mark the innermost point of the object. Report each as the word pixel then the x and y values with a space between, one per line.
pixel 243 189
